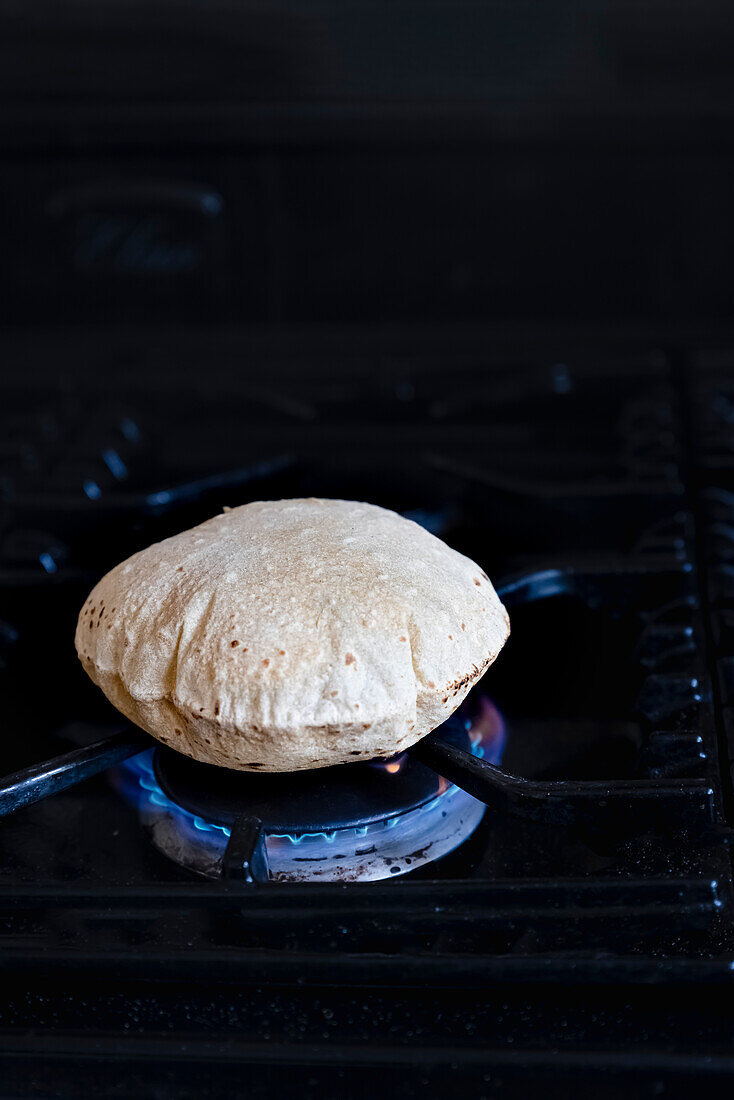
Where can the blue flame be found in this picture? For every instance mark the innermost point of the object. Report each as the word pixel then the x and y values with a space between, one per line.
pixel 136 781
pixel 487 732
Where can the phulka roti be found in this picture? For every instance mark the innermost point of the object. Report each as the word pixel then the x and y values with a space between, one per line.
pixel 292 634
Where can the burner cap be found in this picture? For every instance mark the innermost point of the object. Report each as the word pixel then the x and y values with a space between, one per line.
pixel 342 797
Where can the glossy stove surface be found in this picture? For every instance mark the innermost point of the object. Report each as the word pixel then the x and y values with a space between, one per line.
pixel 605 477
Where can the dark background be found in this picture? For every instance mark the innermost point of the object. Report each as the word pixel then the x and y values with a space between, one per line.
pixel 471 261
pixel 370 163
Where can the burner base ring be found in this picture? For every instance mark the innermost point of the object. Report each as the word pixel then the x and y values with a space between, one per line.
pixel 370 853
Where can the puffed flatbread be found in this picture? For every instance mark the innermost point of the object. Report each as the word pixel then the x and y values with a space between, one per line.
pixel 292 634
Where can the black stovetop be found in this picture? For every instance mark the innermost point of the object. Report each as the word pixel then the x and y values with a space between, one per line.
pixel 607 476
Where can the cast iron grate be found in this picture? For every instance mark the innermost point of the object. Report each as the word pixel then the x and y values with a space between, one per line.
pixel 620 705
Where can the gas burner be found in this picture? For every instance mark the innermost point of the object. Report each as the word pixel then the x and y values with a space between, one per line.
pixel 365 821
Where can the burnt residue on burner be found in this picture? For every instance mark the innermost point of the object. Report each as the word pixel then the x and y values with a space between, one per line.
pixel 420 854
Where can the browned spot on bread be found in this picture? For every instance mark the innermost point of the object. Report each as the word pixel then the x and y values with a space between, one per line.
pixel 356 706
pixel 431 684
pixel 463 626
pixel 457 685
pixel 178 732
pixel 234 644
pixel 254 765
pixel 451 637
pixel 403 638
pixel 112 612
pixel 334 693
pixel 349 659
pixel 366 725
pixel 484 574
pixel 355 752
pixel 477 582
pixel 266 662
pixel 180 569
pixel 244 649
pixel 216 710
pixel 281 652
